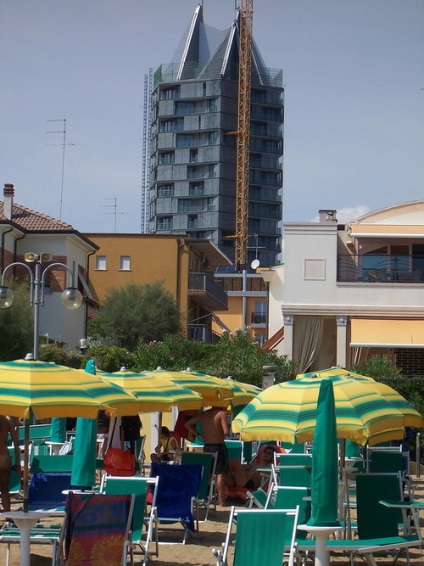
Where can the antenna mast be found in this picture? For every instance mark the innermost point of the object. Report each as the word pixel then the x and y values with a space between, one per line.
pixel 63 159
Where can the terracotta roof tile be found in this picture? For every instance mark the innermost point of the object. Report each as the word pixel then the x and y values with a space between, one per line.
pixel 34 221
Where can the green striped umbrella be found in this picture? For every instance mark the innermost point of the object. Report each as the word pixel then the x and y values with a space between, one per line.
pixel 411 417
pixel 211 391
pixel 49 390
pixel 287 412
pixel 242 392
pixel 155 393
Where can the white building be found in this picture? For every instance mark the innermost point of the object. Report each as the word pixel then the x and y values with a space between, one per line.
pixel 346 292
pixel 25 231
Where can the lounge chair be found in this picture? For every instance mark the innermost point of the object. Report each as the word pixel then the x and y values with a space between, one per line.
pixel 178 488
pixel 96 530
pixel 206 496
pixel 261 536
pixel 144 525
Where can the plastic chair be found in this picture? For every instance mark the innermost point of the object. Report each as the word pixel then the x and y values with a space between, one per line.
pixel 178 488
pixel 235 449
pixel 292 475
pixel 206 495
pixel 46 492
pixel 144 523
pixel 260 537
pixel 96 529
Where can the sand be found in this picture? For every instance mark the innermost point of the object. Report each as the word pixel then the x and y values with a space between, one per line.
pixel 198 549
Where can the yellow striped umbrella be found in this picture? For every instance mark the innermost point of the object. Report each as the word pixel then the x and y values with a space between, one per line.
pixel 211 391
pixel 51 390
pixel 411 417
pixel 155 393
pixel 287 412
pixel 242 392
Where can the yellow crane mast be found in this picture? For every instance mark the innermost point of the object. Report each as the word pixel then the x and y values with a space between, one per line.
pixel 243 131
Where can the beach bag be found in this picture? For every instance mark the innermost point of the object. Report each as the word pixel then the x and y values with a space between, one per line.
pixel 118 462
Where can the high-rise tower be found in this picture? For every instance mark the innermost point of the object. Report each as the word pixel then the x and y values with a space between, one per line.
pixel 194 109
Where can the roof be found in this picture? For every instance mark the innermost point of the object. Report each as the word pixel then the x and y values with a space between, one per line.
pixel 32 221
pixel 208 53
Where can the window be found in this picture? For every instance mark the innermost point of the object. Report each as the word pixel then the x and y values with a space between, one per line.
pixel 101 262
pixel 164 223
pixel 166 158
pixel 125 263
pixel 171 125
pixel 196 188
pixel 168 93
pixel 166 190
pixel 193 155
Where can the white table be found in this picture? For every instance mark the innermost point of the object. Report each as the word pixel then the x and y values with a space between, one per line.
pixel 25 522
pixel 321 534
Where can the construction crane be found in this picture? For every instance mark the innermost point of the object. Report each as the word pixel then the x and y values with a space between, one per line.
pixel 243 131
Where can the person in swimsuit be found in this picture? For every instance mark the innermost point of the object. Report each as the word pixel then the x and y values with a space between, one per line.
pixel 165 451
pixel 248 475
pixel 7 427
pixel 215 429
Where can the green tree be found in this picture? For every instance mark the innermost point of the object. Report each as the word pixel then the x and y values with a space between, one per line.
pixel 16 326
pixel 137 312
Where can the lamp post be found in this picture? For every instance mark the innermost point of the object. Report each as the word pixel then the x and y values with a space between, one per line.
pixel 71 297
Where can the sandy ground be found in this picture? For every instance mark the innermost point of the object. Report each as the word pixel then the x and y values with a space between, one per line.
pixel 198 549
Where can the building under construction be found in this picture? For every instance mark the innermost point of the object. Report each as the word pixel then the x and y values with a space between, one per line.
pixel 194 132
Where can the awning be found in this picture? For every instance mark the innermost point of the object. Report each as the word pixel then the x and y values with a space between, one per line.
pixel 387 332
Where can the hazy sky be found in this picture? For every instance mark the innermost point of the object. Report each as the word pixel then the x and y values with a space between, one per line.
pixel 354 103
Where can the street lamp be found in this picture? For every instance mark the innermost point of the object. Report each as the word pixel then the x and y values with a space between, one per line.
pixel 71 297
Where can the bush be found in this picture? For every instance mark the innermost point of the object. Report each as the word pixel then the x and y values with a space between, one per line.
pixel 58 355
pixel 111 358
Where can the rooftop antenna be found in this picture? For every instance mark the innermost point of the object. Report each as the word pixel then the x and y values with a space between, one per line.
pixel 63 158
pixel 115 209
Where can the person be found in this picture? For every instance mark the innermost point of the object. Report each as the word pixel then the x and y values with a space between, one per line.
pixel 215 429
pixel 103 422
pixel 248 475
pixel 165 451
pixel 7 427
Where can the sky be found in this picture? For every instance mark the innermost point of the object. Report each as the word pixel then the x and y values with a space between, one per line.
pixel 354 101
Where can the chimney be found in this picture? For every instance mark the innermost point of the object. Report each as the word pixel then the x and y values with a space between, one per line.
pixel 8 193
pixel 327 215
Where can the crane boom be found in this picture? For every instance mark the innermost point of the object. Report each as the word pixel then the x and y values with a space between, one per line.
pixel 243 131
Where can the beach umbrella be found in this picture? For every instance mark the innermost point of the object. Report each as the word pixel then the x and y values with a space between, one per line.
pixel 155 393
pixel 411 417
pixel 324 479
pixel 43 389
pixel 211 391
pixel 83 474
pixel 242 392
pixel 287 412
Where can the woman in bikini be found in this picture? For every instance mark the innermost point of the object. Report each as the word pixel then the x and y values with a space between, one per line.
pixel 7 427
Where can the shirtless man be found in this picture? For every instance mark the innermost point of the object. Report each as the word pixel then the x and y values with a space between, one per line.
pixel 215 429
pixel 6 427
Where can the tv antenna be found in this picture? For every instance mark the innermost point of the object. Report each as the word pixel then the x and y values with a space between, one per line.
pixel 115 209
pixel 63 144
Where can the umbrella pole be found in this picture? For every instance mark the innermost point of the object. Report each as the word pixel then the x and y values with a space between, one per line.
pixel 26 461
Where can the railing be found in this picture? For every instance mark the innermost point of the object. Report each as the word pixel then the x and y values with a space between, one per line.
pixel 198 281
pixel 201 333
pixel 258 318
pixel 380 268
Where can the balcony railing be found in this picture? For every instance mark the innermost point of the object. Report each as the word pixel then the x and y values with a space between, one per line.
pixel 380 269
pixel 204 285
pixel 201 333
pixel 258 318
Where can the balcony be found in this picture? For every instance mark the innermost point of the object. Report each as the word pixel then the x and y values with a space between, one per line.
pixel 379 268
pixel 258 318
pixel 201 333
pixel 203 289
